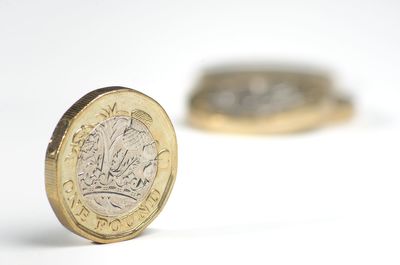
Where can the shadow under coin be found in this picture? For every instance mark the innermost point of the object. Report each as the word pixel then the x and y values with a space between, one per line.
pixel 39 237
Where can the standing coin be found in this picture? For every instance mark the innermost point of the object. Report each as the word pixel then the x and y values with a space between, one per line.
pixel 111 164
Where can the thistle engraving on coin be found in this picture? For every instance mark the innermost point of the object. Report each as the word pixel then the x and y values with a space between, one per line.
pixel 117 164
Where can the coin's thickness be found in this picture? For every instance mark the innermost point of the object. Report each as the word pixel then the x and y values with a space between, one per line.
pixel 111 164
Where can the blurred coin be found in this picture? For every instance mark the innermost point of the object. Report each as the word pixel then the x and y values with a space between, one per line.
pixel 266 101
pixel 111 164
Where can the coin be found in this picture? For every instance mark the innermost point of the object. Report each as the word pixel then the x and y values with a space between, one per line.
pixel 111 164
pixel 265 101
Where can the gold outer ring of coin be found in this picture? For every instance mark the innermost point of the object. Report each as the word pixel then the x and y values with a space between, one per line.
pixel 115 195
pixel 326 106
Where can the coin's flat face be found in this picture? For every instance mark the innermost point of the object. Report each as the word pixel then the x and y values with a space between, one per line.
pixel 257 98
pixel 248 94
pixel 116 165
pixel 111 164
pixel 261 102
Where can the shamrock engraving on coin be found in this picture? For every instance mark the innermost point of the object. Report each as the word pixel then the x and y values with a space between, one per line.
pixel 111 164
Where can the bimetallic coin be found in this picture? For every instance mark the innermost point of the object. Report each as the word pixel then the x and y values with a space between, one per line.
pixel 111 164
pixel 265 101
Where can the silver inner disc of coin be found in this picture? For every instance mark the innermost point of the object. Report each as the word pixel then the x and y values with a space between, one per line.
pixel 256 97
pixel 116 166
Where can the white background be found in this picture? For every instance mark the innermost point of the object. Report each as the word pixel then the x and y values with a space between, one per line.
pixel 326 197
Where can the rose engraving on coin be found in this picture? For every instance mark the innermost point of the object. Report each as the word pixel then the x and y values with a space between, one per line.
pixel 116 165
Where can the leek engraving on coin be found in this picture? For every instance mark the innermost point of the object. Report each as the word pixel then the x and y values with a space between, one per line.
pixel 116 165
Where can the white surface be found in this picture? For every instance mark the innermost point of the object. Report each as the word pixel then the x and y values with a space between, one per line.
pixel 326 197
